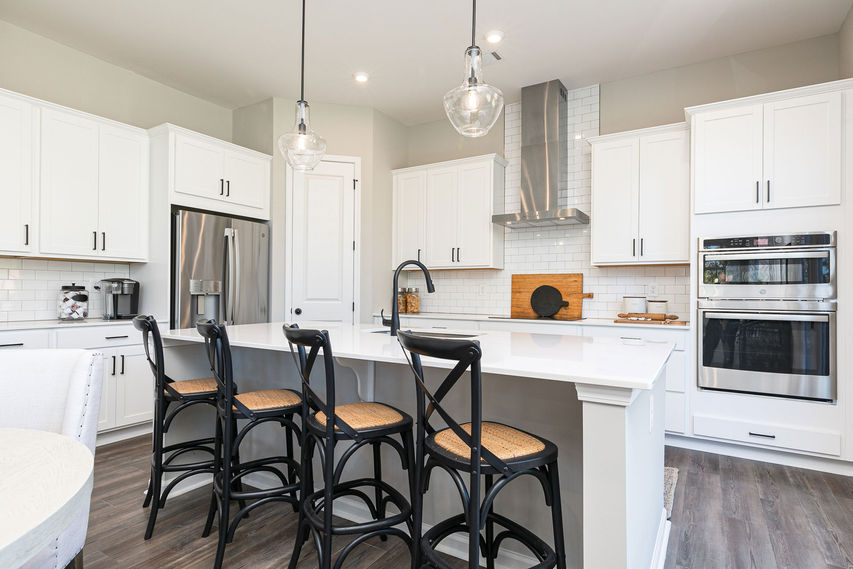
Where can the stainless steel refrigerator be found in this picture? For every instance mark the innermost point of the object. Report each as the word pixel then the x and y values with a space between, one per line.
pixel 220 269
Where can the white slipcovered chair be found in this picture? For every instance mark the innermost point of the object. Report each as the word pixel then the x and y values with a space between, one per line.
pixel 57 391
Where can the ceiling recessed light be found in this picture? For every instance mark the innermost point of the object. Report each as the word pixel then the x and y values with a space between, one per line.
pixel 361 76
pixel 494 36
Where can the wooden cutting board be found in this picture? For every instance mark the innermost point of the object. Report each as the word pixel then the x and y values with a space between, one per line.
pixel 570 286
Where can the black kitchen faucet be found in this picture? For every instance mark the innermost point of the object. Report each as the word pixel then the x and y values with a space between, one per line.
pixel 395 308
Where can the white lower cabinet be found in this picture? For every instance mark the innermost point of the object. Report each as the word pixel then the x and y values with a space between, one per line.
pixel 782 435
pixel 24 339
pixel 128 395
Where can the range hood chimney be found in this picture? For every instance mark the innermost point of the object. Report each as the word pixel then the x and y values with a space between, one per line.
pixel 544 159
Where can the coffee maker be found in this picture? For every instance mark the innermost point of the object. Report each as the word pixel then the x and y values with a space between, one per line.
pixel 121 298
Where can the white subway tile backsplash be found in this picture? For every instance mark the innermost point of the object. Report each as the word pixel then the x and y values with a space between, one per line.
pixel 553 249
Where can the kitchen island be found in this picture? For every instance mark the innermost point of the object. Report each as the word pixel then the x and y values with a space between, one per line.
pixel 601 400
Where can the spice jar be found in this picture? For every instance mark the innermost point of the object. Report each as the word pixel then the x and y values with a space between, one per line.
pixel 401 301
pixel 73 303
pixel 413 301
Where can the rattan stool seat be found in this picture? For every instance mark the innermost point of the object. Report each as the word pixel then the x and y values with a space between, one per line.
pixel 364 415
pixel 268 399
pixel 503 441
pixel 194 386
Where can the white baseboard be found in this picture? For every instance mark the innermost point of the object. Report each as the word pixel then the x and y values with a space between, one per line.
pixel 116 435
pixel 455 545
pixel 834 466
pixel 661 542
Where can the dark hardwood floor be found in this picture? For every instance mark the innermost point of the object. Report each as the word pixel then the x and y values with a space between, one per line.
pixel 729 513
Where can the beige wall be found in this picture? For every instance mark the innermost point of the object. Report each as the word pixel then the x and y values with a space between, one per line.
pixel 845 47
pixel 42 68
pixel 660 97
pixel 438 141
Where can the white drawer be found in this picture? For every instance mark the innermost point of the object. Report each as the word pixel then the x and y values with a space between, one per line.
pixel 768 434
pixel 531 327
pixel 676 372
pixel 27 339
pixel 679 338
pixel 98 336
pixel 675 412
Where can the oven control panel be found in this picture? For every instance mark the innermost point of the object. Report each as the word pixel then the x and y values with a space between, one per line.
pixel 770 241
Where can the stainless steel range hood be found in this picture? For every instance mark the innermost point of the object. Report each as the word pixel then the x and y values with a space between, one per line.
pixel 544 159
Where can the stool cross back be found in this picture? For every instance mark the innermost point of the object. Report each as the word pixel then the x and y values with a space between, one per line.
pixel 479 448
pixel 185 394
pixel 362 424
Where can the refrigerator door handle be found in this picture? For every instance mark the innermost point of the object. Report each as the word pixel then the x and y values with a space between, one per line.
pixel 235 248
pixel 229 276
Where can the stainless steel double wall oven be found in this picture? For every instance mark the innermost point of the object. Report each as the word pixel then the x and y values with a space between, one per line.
pixel 767 315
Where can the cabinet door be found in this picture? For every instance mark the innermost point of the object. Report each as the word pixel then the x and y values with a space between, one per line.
pixel 474 217
pixel 409 222
pixel 198 168
pixel 134 388
pixel 16 174
pixel 615 191
pixel 247 180
pixel 664 204
pixel 107 410
pixel 441 215
pixel 123 194
pixel 802 151
pixel 69 184
pixel 727 159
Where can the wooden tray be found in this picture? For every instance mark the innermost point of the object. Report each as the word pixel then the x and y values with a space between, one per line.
pixel 570 286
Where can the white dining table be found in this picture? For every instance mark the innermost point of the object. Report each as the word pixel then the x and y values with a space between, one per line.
pixel 45 478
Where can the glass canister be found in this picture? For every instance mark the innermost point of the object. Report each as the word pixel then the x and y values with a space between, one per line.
pixel 73 303
pixel 401 301
pixel 413 301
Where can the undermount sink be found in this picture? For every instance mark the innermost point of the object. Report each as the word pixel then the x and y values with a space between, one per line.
pixel 428 334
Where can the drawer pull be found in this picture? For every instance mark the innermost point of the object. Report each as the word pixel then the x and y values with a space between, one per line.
pixel 630 338
pixel 115 337
pixel 17 345
pixel 122 365
pixel 114 365
pixel 762 435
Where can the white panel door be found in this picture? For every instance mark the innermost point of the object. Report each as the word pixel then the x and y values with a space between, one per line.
pixel 442 212
pixel 247 180
pixel 107 410
pixel 802 151
pixel 16 174
pixel 123 194
pixel 199 168
pixel 134 387
pixel 69 184
pixel 664 204
pixel 409 222
pixel 728 159
pixel 474 221
pixel 323 243
pixel 615 190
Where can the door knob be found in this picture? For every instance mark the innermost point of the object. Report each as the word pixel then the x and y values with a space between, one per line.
pixel 297 311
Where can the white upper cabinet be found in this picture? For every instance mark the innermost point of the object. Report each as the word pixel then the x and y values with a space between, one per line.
pixel 94 188
pixel 782 151
pixel 640 197
pixel 443 213
pixel 408 219
pixel 17 232
pixel 211 174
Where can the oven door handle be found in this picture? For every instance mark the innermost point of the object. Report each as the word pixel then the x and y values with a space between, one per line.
pixel 782 255
pixel 786 317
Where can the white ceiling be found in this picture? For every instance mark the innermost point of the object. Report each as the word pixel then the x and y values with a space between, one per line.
pixel 236 53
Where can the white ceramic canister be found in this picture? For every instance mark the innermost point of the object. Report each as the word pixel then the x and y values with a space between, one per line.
pixel 657 306
pixel 634 304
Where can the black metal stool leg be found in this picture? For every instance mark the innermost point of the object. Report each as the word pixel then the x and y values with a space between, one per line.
pixel 377 473
pixel 415 497
pixel 225 497
pixel 217 468
pixel 557 515
pixel 303 531
pixel 155 503
pixel 291 470
pixel 490 529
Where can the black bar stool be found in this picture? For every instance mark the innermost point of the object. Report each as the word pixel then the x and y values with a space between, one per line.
pixel 499 452
pixel 363 424
pixel 186 393
pixel 258 407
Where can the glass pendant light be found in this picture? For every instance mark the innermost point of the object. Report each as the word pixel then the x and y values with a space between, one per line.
pixel 473 107
pixel 302 147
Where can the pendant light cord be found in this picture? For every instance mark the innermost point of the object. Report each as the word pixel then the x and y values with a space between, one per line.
pixel 302 73
pixel 473 25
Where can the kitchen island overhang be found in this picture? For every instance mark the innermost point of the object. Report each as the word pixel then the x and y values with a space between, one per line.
pixel 609 428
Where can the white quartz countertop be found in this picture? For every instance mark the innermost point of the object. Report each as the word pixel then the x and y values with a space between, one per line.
pixel 503 318
pixel 612 362
pixel 56 324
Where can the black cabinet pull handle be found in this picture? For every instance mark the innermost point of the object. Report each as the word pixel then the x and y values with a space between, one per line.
pixel 114 365
pixel 419 255
pixel 221 186
pixel 633 247
pixel 103 240
pixel 227 188
pixel 94 241
pixel 452 255
pixel 115 337
pixel 459 254
pixel 757 190
pixel 762 435
pixel 16 345
pixel 641 247
pixel 26 234
pixel 768 191
pixel 122 364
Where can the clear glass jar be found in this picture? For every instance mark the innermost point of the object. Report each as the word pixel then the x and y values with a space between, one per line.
pixel 413 301
pixel 401 301
pixel 73 303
